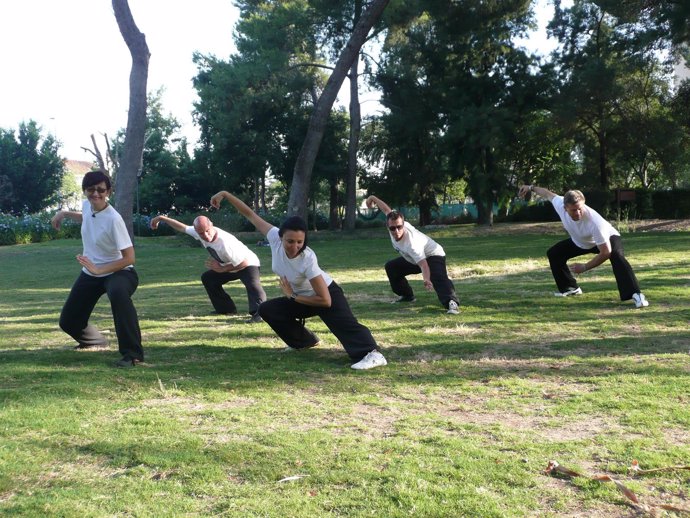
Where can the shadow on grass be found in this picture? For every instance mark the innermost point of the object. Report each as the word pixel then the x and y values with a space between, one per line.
pixel 64 373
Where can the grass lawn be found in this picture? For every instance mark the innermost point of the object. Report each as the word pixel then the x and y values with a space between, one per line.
pixel 462 422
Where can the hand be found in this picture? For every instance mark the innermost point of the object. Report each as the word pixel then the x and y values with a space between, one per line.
pixel 86 263
pixel 371 202
pixel 154 222
pixel 578 268
pixel 285 286
pixel 217 199
pixel 214 265
pixel 428 285
pixel 56 221
pixel 524 191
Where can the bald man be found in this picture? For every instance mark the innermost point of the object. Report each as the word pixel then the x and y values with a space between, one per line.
pixel 230 260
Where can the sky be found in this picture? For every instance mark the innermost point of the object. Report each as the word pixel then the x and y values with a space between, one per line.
pixel 65 65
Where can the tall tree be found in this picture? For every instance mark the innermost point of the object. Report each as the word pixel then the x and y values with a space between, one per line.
pixel 167 178
pixel 135 133
pixel 31 170
pixel 299 193
pixel 249 103
pixel 457 89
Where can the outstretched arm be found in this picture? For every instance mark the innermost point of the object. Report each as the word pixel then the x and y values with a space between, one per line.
pixel 261 225
pixel 539 191
pixel 382 205
pixel 56 221
pixel 176 225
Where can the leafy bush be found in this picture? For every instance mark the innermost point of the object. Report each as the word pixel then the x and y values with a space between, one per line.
pixel 34 228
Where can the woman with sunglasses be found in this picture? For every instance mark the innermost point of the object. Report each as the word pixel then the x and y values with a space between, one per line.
pixel 308 291
pixel 419 254
pixel 107 267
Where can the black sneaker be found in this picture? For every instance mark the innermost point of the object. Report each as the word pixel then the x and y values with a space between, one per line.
pixel 405 298
pixel 126 362
pixel 254 319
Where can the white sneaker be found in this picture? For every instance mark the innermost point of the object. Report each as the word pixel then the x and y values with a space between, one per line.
pixel 453 308
pixel 371 360
pixel 568 293
pixel 640 300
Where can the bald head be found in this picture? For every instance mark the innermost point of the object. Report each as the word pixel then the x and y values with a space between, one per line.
pixel 204 227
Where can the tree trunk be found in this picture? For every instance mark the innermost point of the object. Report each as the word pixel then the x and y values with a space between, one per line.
pixel 333 205
pixel 481 189
pixel 135 134
pixel 352 148
pixel 299 192
pixel 353 143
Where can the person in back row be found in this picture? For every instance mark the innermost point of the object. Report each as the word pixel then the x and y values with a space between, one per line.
pixel 589 233
pixel 419 254
pixel 230 260
pixel 308 291
pixel 107 268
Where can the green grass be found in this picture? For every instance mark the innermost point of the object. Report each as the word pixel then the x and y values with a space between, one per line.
pixel 462 422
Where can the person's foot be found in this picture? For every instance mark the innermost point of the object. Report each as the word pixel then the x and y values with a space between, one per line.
pixel 640 300
pixel 568 293
pixel 453 308
pixel 371 360
pixel 127 362
pixel 404 298
pixel 96 347
pixel 254 319
pixel 289 349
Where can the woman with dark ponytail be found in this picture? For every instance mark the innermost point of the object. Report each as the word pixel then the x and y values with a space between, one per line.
pixel 308 291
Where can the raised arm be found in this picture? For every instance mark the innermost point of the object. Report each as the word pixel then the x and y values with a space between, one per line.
pixel 382 205
pixel 539 191
pixel 56 220
pixel 176 225
pixel 261 225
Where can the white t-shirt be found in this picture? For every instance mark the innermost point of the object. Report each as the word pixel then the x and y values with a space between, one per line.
pixel 103 235
pixel 226 248
pixel 415 246
pixel 298 270
pixel 590 231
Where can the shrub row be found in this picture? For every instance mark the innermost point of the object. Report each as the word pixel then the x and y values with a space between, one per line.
pixel 33 229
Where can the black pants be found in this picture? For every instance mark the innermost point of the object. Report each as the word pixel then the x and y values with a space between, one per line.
pixel 120 286
pixel 561 252
pixel 285 316
pixel 397 269
pixel 222 302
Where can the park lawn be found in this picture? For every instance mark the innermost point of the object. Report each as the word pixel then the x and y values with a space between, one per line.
pixel 462 422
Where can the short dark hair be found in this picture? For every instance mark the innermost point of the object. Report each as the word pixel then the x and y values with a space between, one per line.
pixel 94 178
pixel 297 224
pixel 393 215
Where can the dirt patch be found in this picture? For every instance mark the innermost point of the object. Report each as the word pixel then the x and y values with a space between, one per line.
pixel 661 225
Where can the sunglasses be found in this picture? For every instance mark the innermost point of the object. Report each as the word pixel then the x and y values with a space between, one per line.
pixel 393 228
pixel 99 190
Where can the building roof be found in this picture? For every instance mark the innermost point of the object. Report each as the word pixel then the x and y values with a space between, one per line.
pixel 78 167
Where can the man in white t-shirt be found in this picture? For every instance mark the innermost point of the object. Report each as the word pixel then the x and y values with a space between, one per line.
pixel 419 254
pixel 230 260
pixel 589 233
